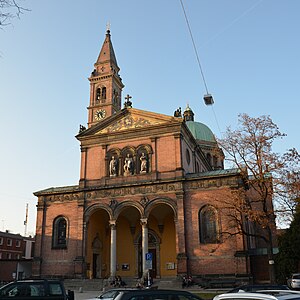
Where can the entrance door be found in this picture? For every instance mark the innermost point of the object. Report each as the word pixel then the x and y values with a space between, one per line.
pixel 153 247
pixel 95 265
pixel 153 270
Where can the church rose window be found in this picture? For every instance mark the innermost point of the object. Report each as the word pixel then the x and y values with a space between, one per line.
pixel 208 225
pixel 59 234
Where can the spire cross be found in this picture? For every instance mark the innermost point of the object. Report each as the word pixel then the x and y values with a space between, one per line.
pixel 128 103
pixel 107 26
pixel 127 98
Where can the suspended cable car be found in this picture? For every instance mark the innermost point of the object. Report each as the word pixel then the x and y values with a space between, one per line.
pixel 208 99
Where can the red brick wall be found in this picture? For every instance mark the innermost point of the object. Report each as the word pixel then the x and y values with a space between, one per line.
pixel 211 258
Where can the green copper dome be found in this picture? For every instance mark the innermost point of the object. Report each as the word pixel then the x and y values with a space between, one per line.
pixel 201 131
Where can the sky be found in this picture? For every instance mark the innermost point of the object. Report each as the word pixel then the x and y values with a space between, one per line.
pixel 248 50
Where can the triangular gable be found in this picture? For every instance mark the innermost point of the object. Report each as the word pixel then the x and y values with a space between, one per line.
pixel 134 120
pixel 130 118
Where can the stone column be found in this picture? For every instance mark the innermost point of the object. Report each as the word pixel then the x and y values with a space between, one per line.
pixel 84 247
pixel 113 248
pixel 144 243
pixel 181 235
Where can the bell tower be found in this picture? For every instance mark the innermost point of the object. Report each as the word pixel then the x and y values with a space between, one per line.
pixel 105 85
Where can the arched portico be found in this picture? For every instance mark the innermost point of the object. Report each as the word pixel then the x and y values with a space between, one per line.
pixel 119 235
pixel 96 240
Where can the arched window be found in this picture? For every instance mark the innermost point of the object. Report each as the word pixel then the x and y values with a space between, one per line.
pixel 98 94
pixel 208 225
pixel 59 233
pixel 103 94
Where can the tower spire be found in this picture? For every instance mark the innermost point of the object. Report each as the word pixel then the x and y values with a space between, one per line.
pixel 107 53
pixel 106 84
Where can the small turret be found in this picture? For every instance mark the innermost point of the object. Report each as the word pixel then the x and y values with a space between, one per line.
pixel 188 114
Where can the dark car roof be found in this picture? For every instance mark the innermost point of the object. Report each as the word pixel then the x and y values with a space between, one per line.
pixel 38 280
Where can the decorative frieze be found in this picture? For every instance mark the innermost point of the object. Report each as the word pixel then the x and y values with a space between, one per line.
pixel 176 187
pixel 134 190
pixel 212 183
pixel 65 197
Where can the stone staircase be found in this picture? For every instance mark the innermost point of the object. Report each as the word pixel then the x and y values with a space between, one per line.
pixel 84 284
pixel 103 284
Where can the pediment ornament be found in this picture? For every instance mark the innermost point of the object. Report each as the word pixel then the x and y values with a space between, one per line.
pixel 129 122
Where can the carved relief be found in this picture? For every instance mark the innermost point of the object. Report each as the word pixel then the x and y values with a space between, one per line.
pixel 210 183
pixel 119 192
pixel 113 204
pixel 144 200
pixel 129 122
pixel 64 197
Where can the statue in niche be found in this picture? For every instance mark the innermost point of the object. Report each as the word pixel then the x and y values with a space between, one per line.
pixel 113 167
pixel 144 163
pixel 128 165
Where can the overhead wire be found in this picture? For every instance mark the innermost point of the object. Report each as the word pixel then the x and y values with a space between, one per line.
pixel 194 46
pixel 198 60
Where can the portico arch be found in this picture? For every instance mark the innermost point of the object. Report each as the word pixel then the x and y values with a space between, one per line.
pixel 127 215
pixel 97 241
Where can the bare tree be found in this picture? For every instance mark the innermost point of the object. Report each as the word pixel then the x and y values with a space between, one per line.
pixel 288 186
pixel 9 9
pixel 267 176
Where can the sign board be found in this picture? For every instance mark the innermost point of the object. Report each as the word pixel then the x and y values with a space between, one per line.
pixel 148 256
pixel 148 262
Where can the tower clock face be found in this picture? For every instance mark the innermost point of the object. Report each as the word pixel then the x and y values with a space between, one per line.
pixel 100 114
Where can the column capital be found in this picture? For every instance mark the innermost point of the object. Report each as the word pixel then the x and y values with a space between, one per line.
pixel 112 224
pixel 144 221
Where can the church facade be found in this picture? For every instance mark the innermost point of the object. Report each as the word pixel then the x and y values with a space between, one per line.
pixel 149 195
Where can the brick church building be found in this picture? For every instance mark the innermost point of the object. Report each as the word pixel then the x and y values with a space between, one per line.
pixel 149 195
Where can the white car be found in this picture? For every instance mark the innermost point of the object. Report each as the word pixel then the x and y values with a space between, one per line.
pixel 294 281
pixel 277 295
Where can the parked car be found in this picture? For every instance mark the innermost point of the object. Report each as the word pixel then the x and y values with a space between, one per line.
pixel 258 287
pixel 294 281
pixel 278 295
pixel 153 294
pixel 35 289
pixel 111 294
